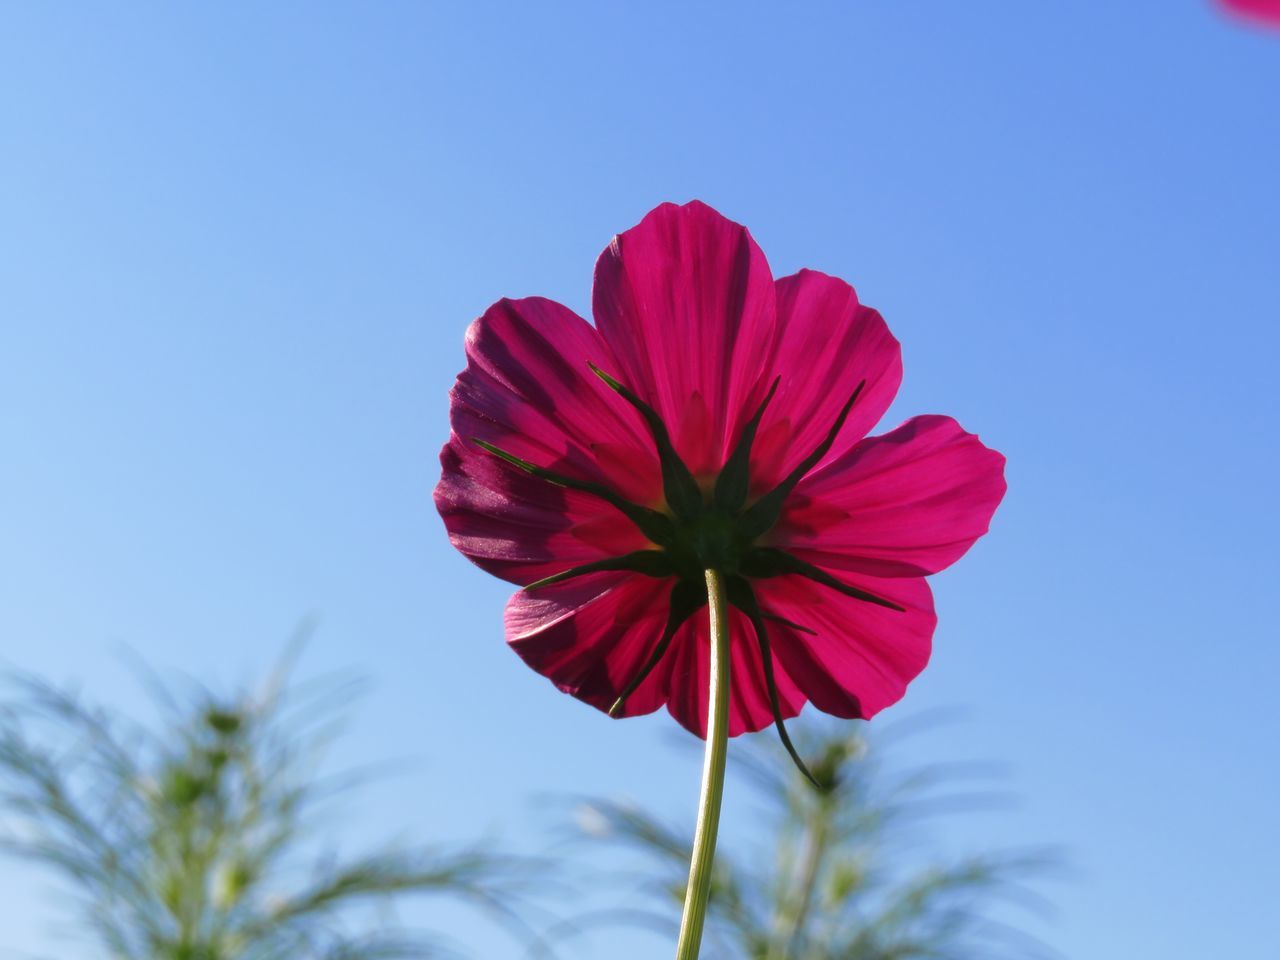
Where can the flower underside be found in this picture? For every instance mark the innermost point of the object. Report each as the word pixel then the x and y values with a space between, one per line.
pixel 698 531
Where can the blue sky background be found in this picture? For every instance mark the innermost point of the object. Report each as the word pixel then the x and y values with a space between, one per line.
pixel 239 245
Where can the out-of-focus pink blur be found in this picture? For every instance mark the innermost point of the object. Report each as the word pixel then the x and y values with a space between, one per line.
pixel 1262 11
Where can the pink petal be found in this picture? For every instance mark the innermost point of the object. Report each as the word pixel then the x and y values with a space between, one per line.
pixel 1267 11
pixel 528 375
pixel 829 342
pixel 688 679
pixel 590 636
pixel 863 655
pixel 904 504
pixel 518 527
pixel 686 301
pixel 527 388
pixel 697 436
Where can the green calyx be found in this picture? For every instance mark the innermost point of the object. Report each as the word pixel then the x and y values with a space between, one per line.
pixel 700 532
pixel 697 532
pixel 706 532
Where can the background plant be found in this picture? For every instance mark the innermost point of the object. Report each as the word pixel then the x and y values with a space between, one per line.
pixel 198 837
pixel 839 873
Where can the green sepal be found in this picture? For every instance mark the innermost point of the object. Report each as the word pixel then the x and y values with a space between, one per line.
pixel 743 597
pixel 678 485
pixel 654 525
pixel 687 597
pixel 790 623
pixel 734 481
pixel 764 513
pixel 764 562
pixel 651 563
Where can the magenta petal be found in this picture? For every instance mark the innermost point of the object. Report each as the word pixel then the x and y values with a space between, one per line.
pixel 904 504
pixel 528 377
pixel 688 679
pixel 829 343
pixel 861 656
pixel 590 636
pixel 527 388
pixel 686 301
pixel 518 527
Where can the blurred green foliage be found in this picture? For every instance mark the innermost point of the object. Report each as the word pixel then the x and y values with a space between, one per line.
pixel 830 872
pixel 198 837
pixel 201 837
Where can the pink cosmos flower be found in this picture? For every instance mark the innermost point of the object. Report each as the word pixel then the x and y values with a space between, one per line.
pixel 712 417
pixel 1267 11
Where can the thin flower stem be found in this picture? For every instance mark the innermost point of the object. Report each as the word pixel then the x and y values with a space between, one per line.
pixel 698 891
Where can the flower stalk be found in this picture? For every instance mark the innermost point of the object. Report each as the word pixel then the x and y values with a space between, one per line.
pixel 698 891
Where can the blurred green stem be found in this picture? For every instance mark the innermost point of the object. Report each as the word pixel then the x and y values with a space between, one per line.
pixel 810 868
pixel 698 891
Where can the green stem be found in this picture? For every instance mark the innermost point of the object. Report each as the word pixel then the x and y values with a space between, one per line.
pixel 698 892
pixel 810 868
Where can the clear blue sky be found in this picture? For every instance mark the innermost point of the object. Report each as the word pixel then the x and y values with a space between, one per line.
pixel 239 245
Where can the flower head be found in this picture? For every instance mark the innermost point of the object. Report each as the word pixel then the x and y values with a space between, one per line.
pixel 713 417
